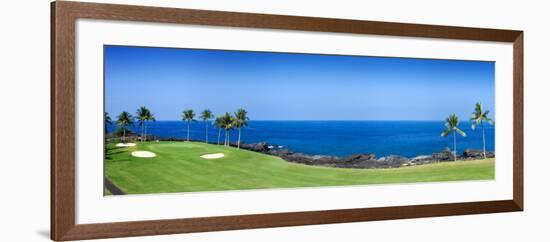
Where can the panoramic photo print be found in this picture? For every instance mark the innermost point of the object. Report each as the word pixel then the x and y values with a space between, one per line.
pixel 196 120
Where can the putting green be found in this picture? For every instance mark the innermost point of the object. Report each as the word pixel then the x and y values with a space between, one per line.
pixel 178 167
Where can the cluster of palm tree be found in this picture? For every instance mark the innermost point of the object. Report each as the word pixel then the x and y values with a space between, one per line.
pixel 188 116
pixel 478 117
pixel 206 115
pixel 144 115
pixel 225 122
pixel 125 120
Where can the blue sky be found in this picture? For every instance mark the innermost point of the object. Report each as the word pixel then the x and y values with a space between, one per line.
pixel 285 86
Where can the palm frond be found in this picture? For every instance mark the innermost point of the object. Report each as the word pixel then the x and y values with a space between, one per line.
pixel 479 115
pixel 125 119
pixel 460 132
pixel 149 116
pixel 241 118
pixel 206 115
pixel 188 115
pixel 107 118
pixel 451 123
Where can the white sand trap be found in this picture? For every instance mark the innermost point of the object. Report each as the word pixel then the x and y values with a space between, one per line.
pixel 213 156
pixel 143 154
pixel 125 144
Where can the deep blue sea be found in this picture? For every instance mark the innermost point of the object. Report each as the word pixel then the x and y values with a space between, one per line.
pixel 339 138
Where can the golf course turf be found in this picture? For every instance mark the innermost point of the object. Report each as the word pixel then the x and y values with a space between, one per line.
pixel 178 167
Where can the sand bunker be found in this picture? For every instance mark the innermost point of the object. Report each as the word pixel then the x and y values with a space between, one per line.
pixel 143 154
pixel 125 145
pixel 213 156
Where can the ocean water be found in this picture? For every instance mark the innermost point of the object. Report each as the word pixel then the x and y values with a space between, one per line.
pixel 338 138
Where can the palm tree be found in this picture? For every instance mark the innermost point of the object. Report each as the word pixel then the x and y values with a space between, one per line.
pixel 227 123
pixel 108 121
pixel 479 117
pixel 451 124
pixel 241 120
pixel 188 116
pixel 218 123
pixel 124 120
pixel 141 115
pixel 205 116
pixel 148 117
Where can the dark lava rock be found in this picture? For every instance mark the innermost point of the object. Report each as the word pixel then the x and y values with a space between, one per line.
pixel 391 161
pixel 358 158
pixel 322 159
pixel 422 159
pixel 258 147
pixel 281 153
pixel 395 160
pixel 477 154
pixel 469 153
pixel 300 158
pixel 444 155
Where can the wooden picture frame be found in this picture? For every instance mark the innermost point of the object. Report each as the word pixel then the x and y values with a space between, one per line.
pixel 63 17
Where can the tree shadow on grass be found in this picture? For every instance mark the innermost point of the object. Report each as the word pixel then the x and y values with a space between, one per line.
pixel 117 152
pixel 115 148
pixel 113 151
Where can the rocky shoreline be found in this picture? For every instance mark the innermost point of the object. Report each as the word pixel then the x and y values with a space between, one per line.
pixel 358 161
pixel 364 161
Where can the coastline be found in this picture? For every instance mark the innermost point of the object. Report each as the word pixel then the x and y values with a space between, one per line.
pixel 365 160
pixel 356 161
pixel 335 138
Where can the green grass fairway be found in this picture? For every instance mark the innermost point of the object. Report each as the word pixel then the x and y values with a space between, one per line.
pixel 179 168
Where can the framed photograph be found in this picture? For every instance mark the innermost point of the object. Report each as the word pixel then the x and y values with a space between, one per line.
pixel 172 120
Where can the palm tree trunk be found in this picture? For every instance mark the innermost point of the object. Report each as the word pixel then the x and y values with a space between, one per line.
pixel 206 131
pixel 454 137
pixel 142 126
pixel 124 135
pixel 187 130
pixel 225 139
pixel 239 140
pixel 483 135
pixel 219 135
pixel 145 132
pixel 141 132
